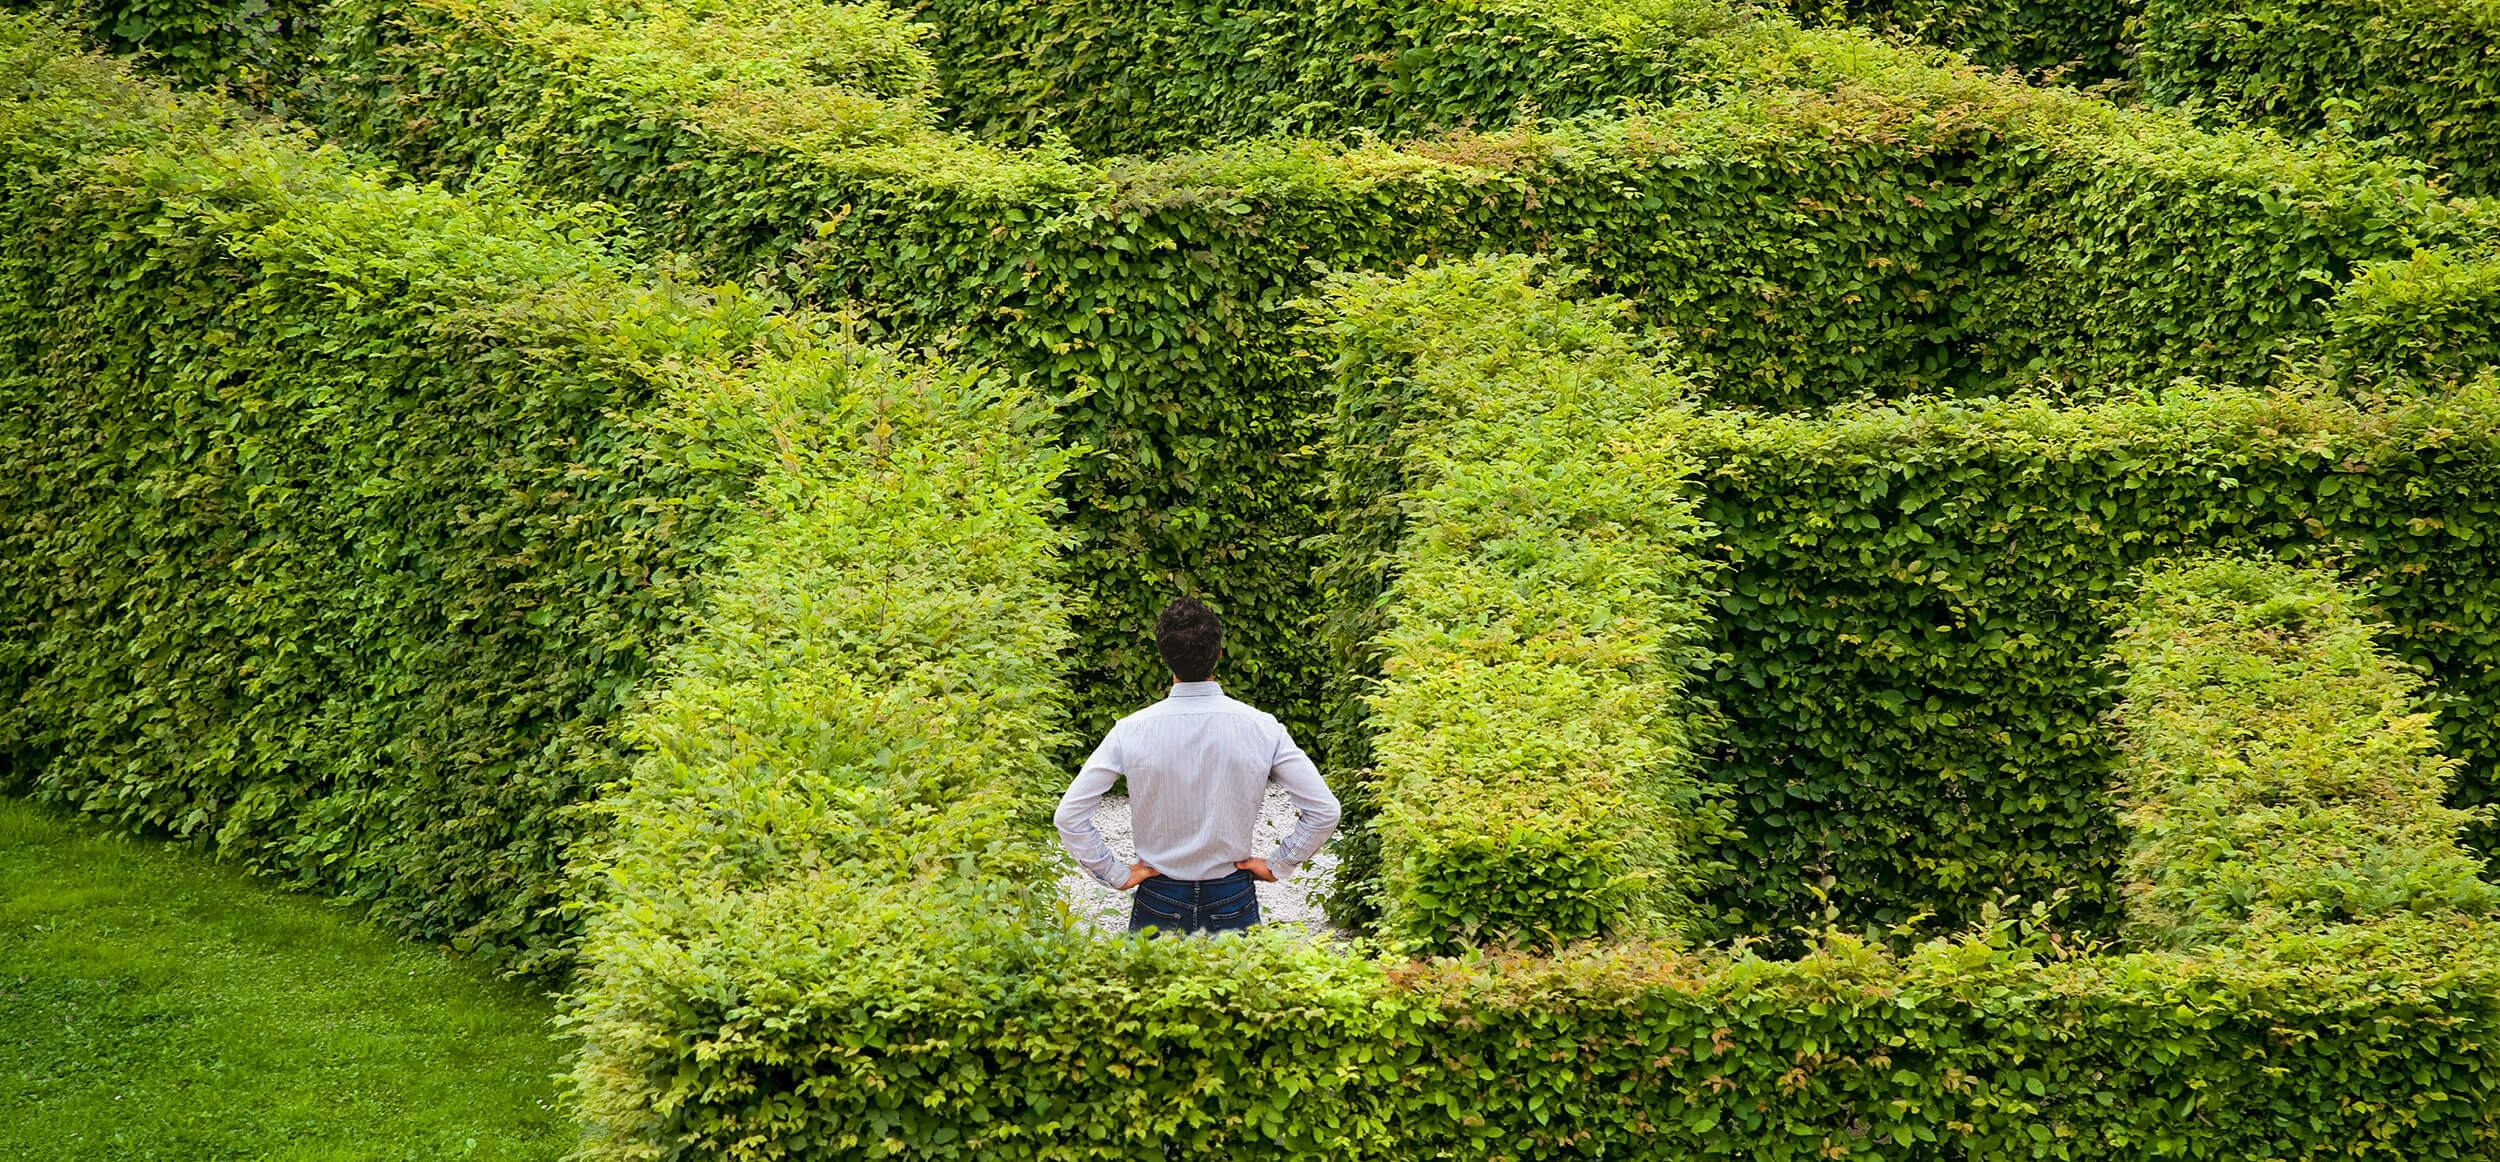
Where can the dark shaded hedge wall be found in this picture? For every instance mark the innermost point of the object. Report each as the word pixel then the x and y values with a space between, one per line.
pixel 2075 42
pixel 257 49
pixel 1918 604
pixel 2423 75
pixel 1112 78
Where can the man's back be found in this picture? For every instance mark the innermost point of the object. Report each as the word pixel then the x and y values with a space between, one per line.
pixel 1197 765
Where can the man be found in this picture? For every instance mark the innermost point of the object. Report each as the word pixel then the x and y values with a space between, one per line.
pixel 1197 765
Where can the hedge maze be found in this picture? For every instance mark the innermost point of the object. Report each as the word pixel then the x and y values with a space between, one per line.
pixel 2415 80
pixel 1858 606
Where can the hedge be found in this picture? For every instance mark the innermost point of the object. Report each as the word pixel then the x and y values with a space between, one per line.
pixel 2279 768
pixel 997 1036
pixel 829 929
pixel 852 741
pixel 2076 42
pixel 827 926
pixel 1917 603
pixel 1209 75
pixel 256 49
pixel 340 521
pixel 1512 554
pixel 1136 79
pixel 1852 221
pixel 1914 602
pixel 2423 76
pixel 2413 77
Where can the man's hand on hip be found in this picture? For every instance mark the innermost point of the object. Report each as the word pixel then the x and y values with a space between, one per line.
pixel 1138 873
pixel 1257 869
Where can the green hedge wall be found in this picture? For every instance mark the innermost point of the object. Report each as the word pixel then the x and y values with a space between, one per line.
pixel 2279 768
pixel 2074 42
pixel 1852 221
pixel 257 49
pixel 1145 79
pixel 852 747
pixel 827 929
pixel 872 1037
pixel 1513 557
pixel 339 524
pixel 1917 604
pixel 1915 601
pixel 2109 195
pixel 2415 78
pixel 2423 76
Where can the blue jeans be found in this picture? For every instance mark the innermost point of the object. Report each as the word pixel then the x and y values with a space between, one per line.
pixel 1225 904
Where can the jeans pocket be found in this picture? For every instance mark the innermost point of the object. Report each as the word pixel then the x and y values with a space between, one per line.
pixel 1150 910
pixel 1232 913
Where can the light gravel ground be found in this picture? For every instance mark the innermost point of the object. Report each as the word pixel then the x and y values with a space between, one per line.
pixel 1289 902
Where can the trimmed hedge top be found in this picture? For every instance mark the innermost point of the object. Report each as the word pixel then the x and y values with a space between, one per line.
pixel 2280 769
pixel 852 748
pixel 1525 587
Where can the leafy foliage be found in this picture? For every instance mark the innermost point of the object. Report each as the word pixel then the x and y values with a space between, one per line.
pixel 2419 75
pixel 1532 609
pixel 338 527
pixel 1917 602
pixel 2079 42
pixel 255 48
pixel 1144 79
pixel 852 743
pixel 1852 220
pixel 2279 768
pixel 1052 1045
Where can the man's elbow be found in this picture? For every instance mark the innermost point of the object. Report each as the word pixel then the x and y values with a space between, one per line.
pixel 1070 817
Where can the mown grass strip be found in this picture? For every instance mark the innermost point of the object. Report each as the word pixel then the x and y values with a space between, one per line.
pixel 155 1004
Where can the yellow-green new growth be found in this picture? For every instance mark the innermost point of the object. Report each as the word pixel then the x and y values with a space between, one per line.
pixel 2280 770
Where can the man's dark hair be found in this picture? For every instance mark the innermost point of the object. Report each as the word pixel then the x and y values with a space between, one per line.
pixel 1189 636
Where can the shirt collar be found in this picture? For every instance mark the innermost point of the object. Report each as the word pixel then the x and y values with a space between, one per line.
pixel 1207 689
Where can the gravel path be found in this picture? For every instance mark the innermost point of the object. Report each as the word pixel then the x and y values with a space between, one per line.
pixel 1289 902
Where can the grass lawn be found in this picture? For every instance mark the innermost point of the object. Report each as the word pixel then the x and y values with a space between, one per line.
pixel 154 1004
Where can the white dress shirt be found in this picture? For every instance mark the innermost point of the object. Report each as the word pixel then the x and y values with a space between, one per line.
pixel 1197 764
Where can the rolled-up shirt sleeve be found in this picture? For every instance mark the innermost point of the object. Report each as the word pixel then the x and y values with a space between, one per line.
pixel 1075 817
pixel 1317 807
